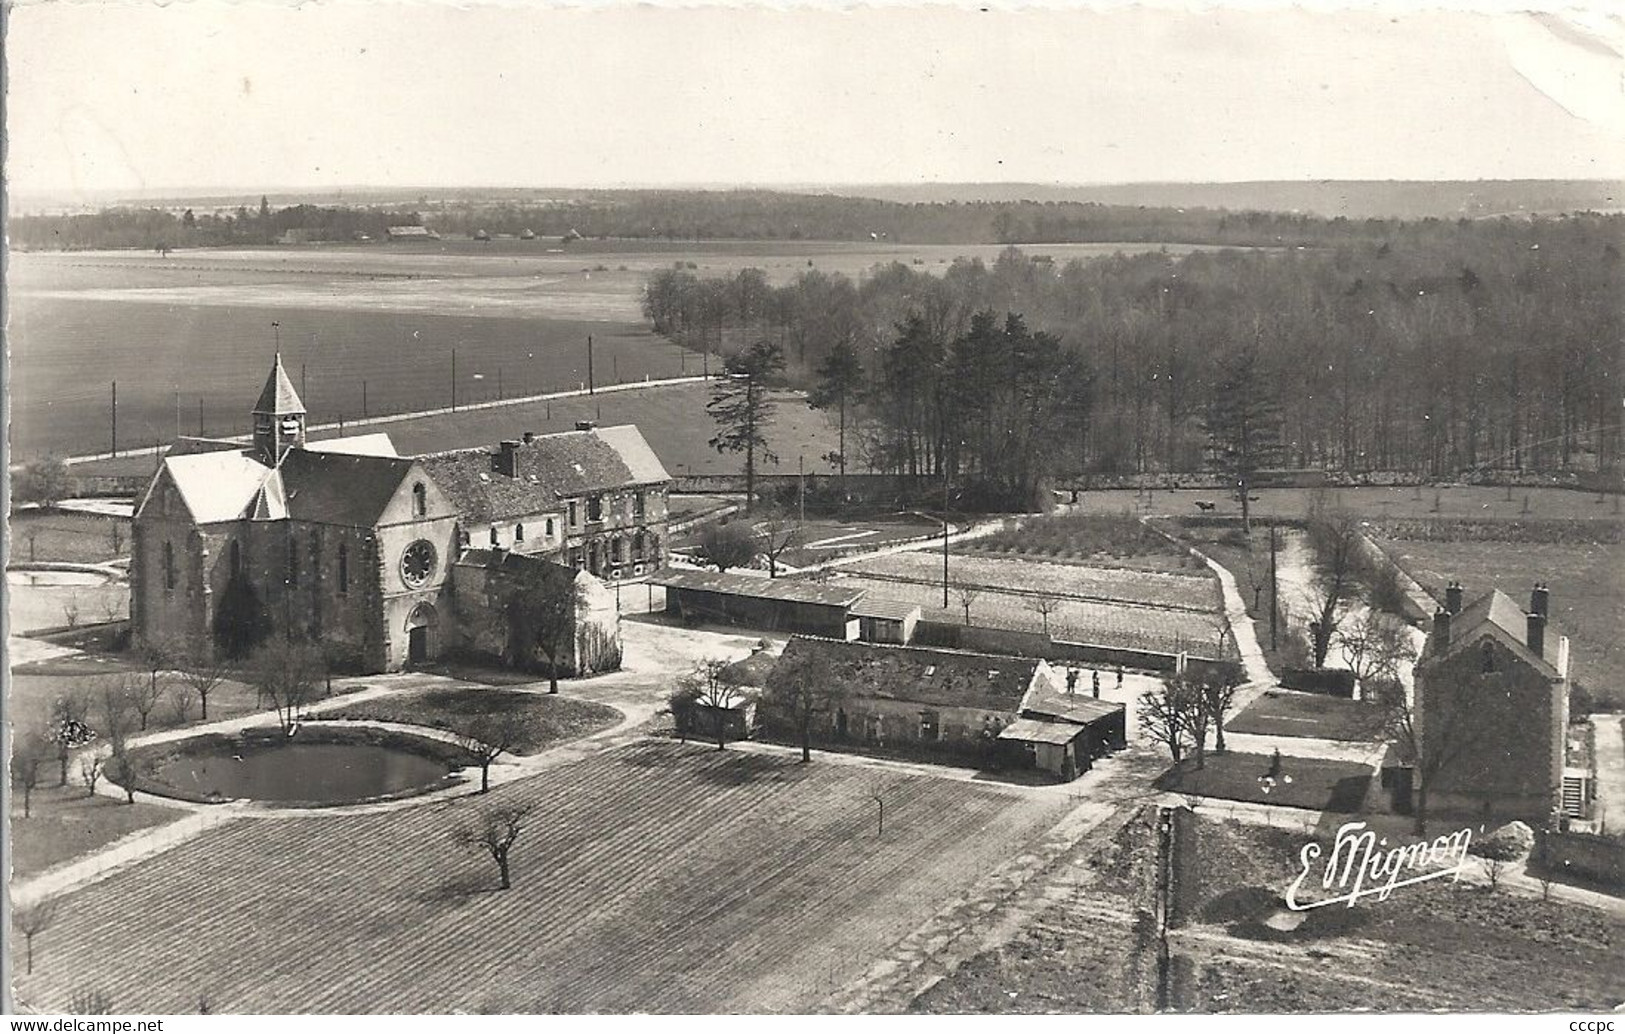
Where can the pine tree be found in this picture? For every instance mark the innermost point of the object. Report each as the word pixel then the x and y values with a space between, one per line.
pixel 743 410
pixel 1243 424
pixel 840 376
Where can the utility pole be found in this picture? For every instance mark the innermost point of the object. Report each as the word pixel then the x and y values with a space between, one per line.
pixel 615 367
pixel 499 384
pixel 1275 589
pixel 591 388
pixel 177 412
pixel 363 400
pixel 200 418
pixel 454 380
pixel 302 392
pixel 114 413
pixel 945 537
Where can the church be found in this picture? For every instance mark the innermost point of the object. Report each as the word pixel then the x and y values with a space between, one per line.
pixel 389 561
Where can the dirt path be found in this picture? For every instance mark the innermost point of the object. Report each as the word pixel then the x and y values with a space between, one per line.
pixel 1608 738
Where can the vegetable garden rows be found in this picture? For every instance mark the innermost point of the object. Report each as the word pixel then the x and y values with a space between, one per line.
pixel 1196 591
pixel 658 877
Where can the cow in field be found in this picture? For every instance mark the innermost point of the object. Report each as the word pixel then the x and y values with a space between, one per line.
pixel 1205 506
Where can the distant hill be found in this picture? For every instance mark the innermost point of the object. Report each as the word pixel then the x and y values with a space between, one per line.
pixel 1352 199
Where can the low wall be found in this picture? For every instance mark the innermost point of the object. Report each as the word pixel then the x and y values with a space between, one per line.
pixel 1333 682
pixel 1600 859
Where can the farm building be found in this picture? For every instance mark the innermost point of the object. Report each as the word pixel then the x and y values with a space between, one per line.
pixel 954 704
pixel 886 621
pixel 1492 709
pixel 351 545
pixel 412 233
pixel 769 604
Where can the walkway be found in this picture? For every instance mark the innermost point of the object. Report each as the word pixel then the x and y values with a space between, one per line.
pixel 1608 746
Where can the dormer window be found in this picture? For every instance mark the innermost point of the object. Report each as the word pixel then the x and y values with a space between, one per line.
pixel 420 500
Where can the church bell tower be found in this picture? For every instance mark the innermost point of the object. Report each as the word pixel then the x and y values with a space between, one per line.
pixel 279 417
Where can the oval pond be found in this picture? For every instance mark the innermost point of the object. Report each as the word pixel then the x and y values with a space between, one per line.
pixel 320 773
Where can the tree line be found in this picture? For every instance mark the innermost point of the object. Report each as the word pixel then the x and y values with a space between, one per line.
pixel 1441 349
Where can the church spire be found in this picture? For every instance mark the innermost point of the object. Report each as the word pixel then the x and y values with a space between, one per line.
pixel 279 417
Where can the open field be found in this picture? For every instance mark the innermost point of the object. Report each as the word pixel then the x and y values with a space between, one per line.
pixel 1106 624
pixel 1282 712
pixel 1322 785
pixel 656 878
pixel 1587 593
pixel 542 719
pixel 1374 504
pixel 1109 539
pixel 199 322
pixel 1196 590
pixel 73 537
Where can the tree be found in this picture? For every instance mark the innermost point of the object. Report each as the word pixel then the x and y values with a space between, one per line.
pixel 116 535
pixel 158 653
pixel 1164 714
pixel 90 772
pixel 203 668
pixel 1044 606
pixel 707 692
pixel 1453 721
pixel 287 671
pixel 803 691
pixel 743 410
pixel 967 595
pixel 541 602
pixel 28 753
pixel 45 481
pixel 143 695
pixel 488 737
pixel 1376 645
pixel 495 833
pixel 1336 540
pixel 31 921
pixel 69 728
pixel 1243 424
pixel 1218 686
pixel 840 377
pixel 727 545
pixel 779 532
pixel 70 611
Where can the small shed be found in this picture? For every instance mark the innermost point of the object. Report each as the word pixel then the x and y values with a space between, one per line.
pixel 1060 748
pixel 1104 723
pixel 767 604
pixel 886 621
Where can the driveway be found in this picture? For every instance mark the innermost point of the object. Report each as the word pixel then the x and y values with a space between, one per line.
pixel 1609 753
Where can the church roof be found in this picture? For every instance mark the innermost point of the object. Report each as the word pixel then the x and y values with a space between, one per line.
pixel 217 486
pixel 278 396
pixel 377 444
pixel 335 488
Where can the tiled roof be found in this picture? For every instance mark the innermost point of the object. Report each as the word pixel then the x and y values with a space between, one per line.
pixel 1495 609
pixel 944 678
pixel 503 559
pixel 378 444
pixel 1027 730
pixel 278 395
pixel 794 590
pixel 752 671
pixel 467 479
pixel 573 463
pixel 333 488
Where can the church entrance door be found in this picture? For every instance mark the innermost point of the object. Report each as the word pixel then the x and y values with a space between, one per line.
pixel 417 645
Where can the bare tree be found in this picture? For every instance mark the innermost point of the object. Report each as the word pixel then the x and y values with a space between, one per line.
pixel 180 704
pixel 143 695
pixel 1163 714
pixel 1218 686
pixel 727 545
pixel 70 610
pixel 967 595
pixel 288 672
pixel 28 753
pixel 1335 538
pixel 31 921
pixel 1376 646
pixel 1044 606
pixel 778 531
pixel 157 652
pixel 90 773
pixel 541 605
pixel 112 607
pixel 801 692
pixel 495 833
pixel 1197 717
pixel 488 737
pixel 706 691
pixel 203 668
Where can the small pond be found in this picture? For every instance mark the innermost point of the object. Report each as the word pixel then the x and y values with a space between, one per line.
pixel 286 770
pixel 56 578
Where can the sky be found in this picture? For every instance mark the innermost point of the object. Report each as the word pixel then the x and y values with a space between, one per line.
pixel 111 97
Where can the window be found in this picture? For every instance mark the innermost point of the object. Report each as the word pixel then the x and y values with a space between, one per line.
pixel 420 500
pixel 928 725
pixel 639 506
pixel 1486 656
pixel 637 546
pixel 315 555
pixel 519 533
pixel 236 559
pixel 575 514
pixel 169 566
pixel 550 527
pixel 595 508
pixel 496 539
pixel 293 565
pixel 344 569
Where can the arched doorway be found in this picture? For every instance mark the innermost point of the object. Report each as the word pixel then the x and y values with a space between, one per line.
pixel 422 634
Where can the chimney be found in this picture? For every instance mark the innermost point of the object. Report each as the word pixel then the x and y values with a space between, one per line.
pixel 1441 628
pixel 529 436
pixel 507 461
pixel 1537 634
pixel 585 425
pixel 1562 656
pixel 1540 600
pixel 1452 597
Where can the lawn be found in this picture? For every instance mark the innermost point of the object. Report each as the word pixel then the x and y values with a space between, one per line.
pixel 655 878
pixel 1338 786
pixel 1282 712
pixel 66 822
pixel 1587 592
pixel 33 693
pixel 1105 539
pixel 1451 502
pixel 542 719
pixel 80 538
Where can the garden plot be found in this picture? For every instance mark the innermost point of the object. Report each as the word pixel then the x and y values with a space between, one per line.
pixel 1194 592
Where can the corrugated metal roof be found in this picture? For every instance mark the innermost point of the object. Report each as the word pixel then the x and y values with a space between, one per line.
pixel 944 678
pixel 1026 730
pixel 792 590
pixel 378 444
pixel 278 396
